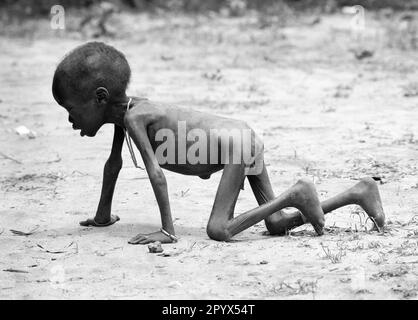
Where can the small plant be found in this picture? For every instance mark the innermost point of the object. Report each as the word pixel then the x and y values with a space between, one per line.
pixel 411 90
pixel 334 257
pixel 396 272
pixel 213 76
pixel 379 260
pixel 374 245
pixel 357 247
pixel 413 234
pixel 299 287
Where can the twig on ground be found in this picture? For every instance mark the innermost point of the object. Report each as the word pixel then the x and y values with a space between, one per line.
pixel 21 233
pixel 58 159
pixel 15 270
pixel 58 251
pixel 5 156
pixel 183 193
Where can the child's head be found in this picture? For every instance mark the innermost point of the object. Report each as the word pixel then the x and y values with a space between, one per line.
pixel 88 81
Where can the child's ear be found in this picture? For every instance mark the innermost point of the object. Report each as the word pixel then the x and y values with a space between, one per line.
pixel 102 95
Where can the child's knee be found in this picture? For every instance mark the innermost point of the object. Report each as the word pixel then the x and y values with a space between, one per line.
pixel 304 182
pixel 217 231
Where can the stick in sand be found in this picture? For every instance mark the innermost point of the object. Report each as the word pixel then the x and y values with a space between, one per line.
pixel 10 158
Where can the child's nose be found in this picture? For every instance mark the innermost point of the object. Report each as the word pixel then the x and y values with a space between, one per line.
pixel 70 119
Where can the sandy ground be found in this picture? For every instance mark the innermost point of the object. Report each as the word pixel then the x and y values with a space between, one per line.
pixel 325 114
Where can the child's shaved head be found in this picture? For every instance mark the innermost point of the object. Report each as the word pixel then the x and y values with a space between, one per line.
pixel 88 82
pixel 88 67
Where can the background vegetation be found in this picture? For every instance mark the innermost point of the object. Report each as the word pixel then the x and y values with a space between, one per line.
pixel 42 7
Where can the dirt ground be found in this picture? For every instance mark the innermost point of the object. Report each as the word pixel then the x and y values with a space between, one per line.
pixel 325 115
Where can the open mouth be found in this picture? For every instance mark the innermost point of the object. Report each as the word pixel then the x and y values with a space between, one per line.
pixel 82 133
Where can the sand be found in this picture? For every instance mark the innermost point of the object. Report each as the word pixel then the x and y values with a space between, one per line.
pixel 325 115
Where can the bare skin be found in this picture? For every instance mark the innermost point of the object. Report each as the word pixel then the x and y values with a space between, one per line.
pixel 144 119
pixel 365 194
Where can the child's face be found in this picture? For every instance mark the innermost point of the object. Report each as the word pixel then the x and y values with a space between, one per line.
pixel 87 116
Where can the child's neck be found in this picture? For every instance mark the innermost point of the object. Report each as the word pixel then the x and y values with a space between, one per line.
pixel 116 111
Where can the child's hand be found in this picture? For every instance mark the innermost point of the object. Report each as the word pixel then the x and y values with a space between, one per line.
pixel 150 237
pixel 93 223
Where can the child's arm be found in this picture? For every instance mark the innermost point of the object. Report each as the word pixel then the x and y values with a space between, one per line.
pixel 110 175
pixel 136 124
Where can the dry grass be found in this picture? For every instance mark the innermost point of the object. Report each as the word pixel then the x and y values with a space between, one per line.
pixel 289 288
pixel 334 256
pixel 380 259
pixel 395 272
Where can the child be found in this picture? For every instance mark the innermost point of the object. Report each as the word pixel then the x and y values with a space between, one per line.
pixel 90 83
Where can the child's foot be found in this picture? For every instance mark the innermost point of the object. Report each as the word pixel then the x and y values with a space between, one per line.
pixel 280 222
pixel 306 200
pixel 95 223
pixel 367 196
pixel 151 237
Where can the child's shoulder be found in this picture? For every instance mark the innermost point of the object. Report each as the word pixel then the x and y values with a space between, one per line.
pixel 139 107
pixel 145 105
pixel 142 105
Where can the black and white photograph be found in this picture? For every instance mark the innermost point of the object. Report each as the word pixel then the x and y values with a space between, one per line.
pixel 218 150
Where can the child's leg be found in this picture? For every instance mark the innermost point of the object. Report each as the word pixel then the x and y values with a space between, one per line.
pixel 279 222
pixel 365 194
pixel 222 225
